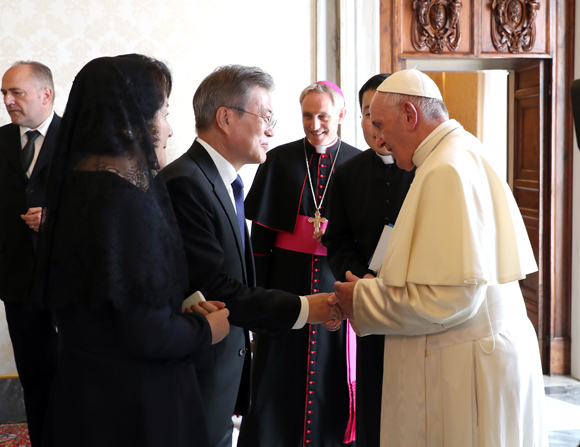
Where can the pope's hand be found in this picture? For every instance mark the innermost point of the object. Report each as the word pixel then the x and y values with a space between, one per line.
pixel 321 310
pixel 344 292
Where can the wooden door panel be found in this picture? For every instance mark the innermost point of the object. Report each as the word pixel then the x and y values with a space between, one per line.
pixel 543 185
pixel 528 178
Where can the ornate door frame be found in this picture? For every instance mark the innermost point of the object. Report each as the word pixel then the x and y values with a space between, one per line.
pixel 559 50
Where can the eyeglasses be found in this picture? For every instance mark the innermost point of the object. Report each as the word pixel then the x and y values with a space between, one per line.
pixel 269 120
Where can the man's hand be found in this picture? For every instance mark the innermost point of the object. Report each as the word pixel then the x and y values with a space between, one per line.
pixel 217 316
pixel 344 293
pixel 318 235
pixel 32 218
pixel 323 310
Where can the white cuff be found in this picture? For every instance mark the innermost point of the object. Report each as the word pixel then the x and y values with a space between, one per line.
pixel 303 316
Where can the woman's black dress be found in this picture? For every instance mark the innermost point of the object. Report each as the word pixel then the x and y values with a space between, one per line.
pixel 111 267
pixel 125 376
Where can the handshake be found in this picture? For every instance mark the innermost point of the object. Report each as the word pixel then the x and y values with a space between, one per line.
pixel 331 308
pixel 326 308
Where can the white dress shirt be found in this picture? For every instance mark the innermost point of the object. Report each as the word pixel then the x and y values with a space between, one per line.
pixel 42 129
pixel 228 174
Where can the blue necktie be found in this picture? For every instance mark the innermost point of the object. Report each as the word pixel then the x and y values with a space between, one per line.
pixel 238 187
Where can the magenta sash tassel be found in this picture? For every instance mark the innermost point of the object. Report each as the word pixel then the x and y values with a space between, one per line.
pixel 350 433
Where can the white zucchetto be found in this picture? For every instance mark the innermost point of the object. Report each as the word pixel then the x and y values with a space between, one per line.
pixel 411 82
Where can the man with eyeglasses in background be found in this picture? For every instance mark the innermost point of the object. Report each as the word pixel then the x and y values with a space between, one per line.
pixel 302 392
pixel 234 122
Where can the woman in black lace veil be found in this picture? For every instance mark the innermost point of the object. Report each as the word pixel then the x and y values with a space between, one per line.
pixel 113 271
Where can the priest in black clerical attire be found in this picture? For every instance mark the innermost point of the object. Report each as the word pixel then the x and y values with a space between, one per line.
pixel 366 194
pixel 301 393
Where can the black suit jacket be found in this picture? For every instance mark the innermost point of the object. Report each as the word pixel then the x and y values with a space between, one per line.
pixel 220 269
pixel 18 193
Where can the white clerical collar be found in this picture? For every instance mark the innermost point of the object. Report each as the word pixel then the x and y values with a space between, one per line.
pixel 386 159
pixel 226 170
pixel 43 128
pixel 323 149
pixel 431 142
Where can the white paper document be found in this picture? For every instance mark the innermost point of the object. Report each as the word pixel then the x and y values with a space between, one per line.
pixel 379 254
pixel 194 298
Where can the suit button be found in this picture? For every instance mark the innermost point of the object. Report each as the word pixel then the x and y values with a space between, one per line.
pixel 242 352
pixel 29 190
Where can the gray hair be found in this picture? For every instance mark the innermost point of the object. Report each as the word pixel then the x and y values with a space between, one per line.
pixel 40 74
pixel 337 99
pixel 430 108
pixel 227 86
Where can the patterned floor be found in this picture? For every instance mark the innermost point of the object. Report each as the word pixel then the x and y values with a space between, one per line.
pixel 562 405
pixel 563 411
pixel 14 435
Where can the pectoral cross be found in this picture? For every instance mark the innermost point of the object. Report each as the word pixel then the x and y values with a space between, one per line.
pixel 316 220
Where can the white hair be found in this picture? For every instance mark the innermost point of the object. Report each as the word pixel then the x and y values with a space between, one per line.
pixel 430 108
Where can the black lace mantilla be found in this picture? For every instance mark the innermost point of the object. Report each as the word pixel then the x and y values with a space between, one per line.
pixel 110 233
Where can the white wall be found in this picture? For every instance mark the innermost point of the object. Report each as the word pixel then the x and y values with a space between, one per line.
pixel 192 36
pixel 359 55
pixel 492 114
pixel 575 361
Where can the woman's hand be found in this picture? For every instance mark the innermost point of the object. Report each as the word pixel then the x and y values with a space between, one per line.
pixel 217 316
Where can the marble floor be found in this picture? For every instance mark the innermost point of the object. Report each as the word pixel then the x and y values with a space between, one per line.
pixel 563 412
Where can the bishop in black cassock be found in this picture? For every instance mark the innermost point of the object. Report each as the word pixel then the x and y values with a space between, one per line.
pixel 302 377
pixel 300 392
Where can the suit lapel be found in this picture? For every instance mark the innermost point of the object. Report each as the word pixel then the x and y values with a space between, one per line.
pixel 12 149
pixel 208 167
pixel 47 149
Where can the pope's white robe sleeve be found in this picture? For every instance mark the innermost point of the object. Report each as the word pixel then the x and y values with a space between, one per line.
pixel 415 309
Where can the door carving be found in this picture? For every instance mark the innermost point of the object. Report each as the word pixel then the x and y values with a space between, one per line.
pixel 436 25
pixel 513 24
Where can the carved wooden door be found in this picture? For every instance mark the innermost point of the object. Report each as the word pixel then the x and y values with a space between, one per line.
pixel 531 187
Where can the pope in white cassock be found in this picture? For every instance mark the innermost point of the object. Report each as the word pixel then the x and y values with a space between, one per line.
pixel 462 364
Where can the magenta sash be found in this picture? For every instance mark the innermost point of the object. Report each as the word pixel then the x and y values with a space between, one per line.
pixel 350 433
pixel 301 240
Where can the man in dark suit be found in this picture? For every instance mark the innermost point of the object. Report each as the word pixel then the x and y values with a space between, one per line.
pixel 234 122
pixel 367 194
pixel 26 148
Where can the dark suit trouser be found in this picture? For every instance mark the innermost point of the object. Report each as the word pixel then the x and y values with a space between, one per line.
pixel 34 340
pixel 227 440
